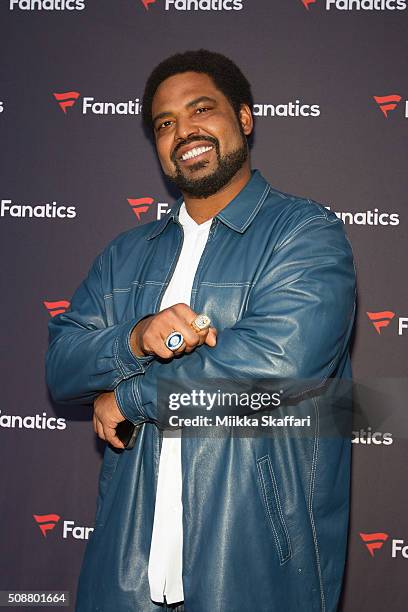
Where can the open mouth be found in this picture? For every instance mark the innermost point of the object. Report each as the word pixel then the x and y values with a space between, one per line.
pixel 196 153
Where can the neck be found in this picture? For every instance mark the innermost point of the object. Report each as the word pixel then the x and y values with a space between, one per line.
pixel 201 209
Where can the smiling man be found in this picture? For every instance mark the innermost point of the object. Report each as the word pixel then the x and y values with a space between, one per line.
pixel 238 280
pixel 195 162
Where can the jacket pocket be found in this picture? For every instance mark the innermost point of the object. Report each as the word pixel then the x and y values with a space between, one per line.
pixel 270 496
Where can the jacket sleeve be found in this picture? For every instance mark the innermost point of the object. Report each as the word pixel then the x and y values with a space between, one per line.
pixel 86 356
pixel 296 326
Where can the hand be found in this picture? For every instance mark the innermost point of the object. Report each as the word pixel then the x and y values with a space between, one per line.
pixel 105 418
pixel 149 335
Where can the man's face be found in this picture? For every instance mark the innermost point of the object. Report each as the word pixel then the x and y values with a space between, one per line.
pixel 200 141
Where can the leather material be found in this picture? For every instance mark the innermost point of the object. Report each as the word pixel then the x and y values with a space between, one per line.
pixel 265 519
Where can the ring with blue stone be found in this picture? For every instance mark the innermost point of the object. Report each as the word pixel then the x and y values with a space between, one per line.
pixel 174 340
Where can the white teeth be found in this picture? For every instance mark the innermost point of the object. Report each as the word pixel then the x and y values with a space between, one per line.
pixel 194 152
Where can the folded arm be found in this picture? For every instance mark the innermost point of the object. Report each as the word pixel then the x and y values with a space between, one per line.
pixel 296 326
pixel 86 356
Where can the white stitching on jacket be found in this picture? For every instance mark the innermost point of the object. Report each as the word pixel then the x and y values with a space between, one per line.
pixel 310 504
pixel 266 459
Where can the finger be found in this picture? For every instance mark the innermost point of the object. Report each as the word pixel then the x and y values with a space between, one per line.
pixel 183 311
pixel 191 337
pixel 100 431
pixel 211 338
pixel 156 344
pixel 183 348
pixel 161 347
pixel 165 336
pixel 203 335
pixel 178 320
pixel 94 424
pixel 189 349
pixel 202 339
pixel 111 437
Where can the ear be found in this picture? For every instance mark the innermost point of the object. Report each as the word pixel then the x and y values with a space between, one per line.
pixel 246 119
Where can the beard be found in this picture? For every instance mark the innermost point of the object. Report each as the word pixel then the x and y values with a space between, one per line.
pixel 227 167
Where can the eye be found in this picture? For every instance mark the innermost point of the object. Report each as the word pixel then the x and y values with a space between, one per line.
pixel 201 109
pixel 164 124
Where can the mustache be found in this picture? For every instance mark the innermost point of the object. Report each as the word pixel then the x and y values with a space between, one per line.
pixel 188 141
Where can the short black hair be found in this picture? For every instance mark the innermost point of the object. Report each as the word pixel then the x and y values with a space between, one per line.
pixel 226 76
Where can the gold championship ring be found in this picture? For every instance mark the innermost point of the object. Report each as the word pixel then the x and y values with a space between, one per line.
pixel 200 323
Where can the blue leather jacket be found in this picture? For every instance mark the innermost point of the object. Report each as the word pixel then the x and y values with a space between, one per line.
pixel 264 519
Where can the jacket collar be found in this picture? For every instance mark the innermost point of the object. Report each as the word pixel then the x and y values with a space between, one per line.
pixel 237 215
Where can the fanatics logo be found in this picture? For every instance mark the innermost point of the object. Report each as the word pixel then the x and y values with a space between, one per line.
pixel 361 5
pixel 307 2
pixel 381 319
pixel 97 107
pixel 56 308
pixel 288 109
pixel 368 436
pixel 387 103
pixel 374 541
pixel 367 217
pixel 46 522
pixel 128 107
pixel 44 211
pixel 366 5
pixel 32 421
pixel 140 206
pixel 47 5
pixel 390 102
pixel 147 2
pixel 90 105
pixel 67 99
pixel 203 5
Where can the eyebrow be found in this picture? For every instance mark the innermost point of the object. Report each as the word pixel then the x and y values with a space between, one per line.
pixel 188 105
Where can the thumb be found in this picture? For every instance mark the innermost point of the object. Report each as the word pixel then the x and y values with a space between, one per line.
pixel 211 339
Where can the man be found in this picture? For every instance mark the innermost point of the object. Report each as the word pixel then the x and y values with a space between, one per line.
pixel 212 523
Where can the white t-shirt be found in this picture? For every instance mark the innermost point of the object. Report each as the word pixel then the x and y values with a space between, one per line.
pixel 166 550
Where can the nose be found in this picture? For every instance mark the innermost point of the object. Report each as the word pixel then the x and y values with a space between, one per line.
pixel 185 127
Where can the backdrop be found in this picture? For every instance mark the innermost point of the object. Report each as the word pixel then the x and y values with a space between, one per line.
pixel 331 90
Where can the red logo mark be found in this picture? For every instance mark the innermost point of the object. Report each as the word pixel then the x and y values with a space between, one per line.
pixel 46 522
pixel 147 2
pixel 307 2
pixel 66 99
pixel 381 319
pixel 374 541
pixel 140 205
pixel 55 308
pixel 387 103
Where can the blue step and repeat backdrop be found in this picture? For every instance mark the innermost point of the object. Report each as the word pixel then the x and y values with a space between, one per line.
pixel 330 84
